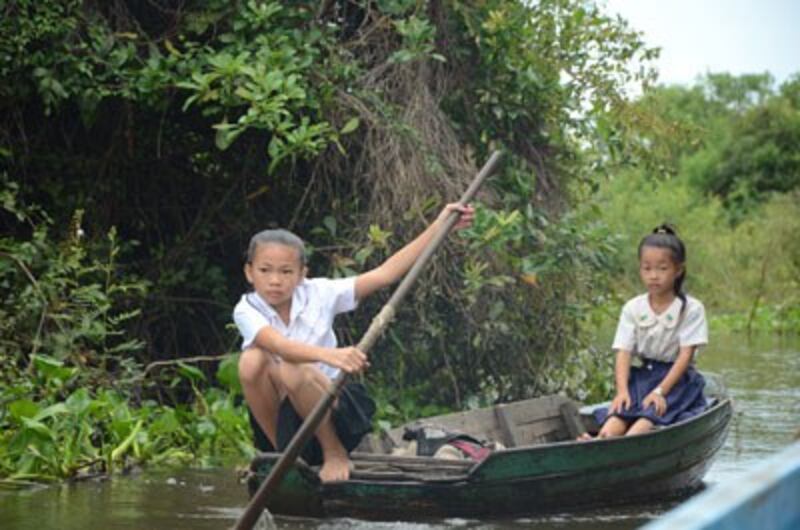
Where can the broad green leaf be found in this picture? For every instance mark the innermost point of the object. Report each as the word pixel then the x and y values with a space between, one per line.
pixel 52 368
pixel 350 126
pixel 191 372
pixel 228 373
pixel 52 410
pixel 126 443
pixel 79 401
pixel 23 408
pixel 36 426
pixel 330 224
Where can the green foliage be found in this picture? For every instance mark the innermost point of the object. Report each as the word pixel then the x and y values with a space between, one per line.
pixel 93 432
pixel 188 126
pixel 782 319
pixel 418 40
pixel 530 284
pixel 550 291
pixel 543 76
pixel 759 157
pixel 261 72
pixel 735 138
pixel 65 305
pixel 397 406
pixel 256 74
pixel 588 374
pixel 67 389
pixel 738 93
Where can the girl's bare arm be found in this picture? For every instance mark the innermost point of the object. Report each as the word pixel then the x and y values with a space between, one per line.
pixel 401 261
pixel 349 359
pixel 657 397
pixel 622 369
pixel 678 369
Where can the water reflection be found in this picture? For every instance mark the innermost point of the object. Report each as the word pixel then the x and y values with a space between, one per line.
pixel 184 499
pixel 213 499
pixel 763 377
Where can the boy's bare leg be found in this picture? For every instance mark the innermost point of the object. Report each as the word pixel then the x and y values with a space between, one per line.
pixel 256 371
pixel 614 426
pixel 306 385
pixel 642 425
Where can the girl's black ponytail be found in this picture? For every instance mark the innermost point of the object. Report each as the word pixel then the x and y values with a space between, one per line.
pixel 665 236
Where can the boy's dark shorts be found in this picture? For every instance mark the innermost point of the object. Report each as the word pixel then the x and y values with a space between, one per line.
pixel 352 419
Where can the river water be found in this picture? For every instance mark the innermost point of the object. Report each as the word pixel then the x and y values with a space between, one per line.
pixel 762 375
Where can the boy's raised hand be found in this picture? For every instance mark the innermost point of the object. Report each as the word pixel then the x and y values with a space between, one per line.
pixel 466 218
pixel 349 359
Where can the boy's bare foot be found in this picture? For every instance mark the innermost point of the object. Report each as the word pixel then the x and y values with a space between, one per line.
pixel 335 468
pixel 584 437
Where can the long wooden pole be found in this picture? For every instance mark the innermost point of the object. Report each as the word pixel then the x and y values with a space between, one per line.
pixel 376 328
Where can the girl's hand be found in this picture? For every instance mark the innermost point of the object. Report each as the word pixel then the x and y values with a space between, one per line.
pixel 466 218
pixel 657 400
pixel 622 401
pixel 349 359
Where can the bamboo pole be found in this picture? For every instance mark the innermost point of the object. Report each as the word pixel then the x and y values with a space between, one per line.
pixel 376 328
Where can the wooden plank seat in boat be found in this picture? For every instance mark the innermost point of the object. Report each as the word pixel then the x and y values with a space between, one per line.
pixel 408 468
pixel 368 466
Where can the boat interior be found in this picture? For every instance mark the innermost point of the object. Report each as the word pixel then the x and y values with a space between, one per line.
pixel 522 423
pixel 543 420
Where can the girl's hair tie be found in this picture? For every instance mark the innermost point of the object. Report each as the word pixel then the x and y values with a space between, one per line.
pixel 664 229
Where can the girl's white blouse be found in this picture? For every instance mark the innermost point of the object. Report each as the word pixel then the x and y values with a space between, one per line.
pixel 659 337
pixel 315 303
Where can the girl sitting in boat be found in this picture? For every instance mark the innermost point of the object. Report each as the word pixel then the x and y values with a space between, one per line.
pixel 289 351
pixel 663 328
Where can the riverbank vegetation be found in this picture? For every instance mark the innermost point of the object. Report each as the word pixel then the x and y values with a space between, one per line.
pixel 141 144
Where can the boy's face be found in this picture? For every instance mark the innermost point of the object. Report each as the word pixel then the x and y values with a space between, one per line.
pixel 274 273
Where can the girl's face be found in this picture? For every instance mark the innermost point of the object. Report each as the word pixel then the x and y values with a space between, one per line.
pixel 274 273
pixel 658 270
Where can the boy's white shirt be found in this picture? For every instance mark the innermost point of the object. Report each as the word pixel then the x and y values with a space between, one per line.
pixel 315 303
pixel 660 337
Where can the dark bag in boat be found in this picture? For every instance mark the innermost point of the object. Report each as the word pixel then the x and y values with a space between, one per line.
pixel 431 438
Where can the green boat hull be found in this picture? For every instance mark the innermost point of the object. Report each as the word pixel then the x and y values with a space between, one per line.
pixel 668 463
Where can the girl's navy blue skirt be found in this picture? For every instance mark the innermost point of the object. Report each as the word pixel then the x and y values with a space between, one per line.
pixel 685 400
pixel 352 419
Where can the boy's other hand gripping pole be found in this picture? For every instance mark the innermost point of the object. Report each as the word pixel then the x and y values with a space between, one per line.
pixel 378 325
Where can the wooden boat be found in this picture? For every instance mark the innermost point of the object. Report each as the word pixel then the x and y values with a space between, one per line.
pixel 542 470
pixel 763 497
